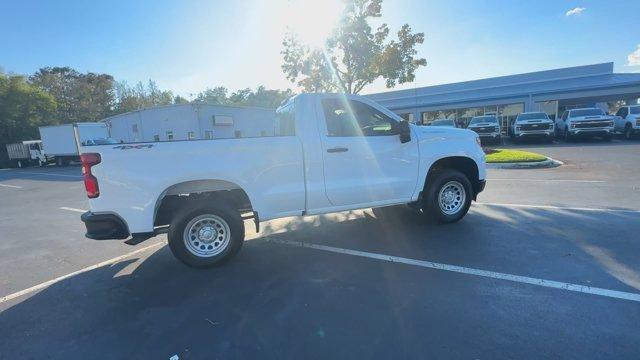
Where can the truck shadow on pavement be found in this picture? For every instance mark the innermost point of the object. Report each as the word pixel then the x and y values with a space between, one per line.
pixel 278 301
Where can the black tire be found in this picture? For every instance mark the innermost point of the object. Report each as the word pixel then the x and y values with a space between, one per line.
pixel 179 248
pixel 430 203
pixel 567 135
pixel 628 132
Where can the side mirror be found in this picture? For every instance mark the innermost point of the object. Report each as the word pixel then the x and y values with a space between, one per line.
pixel 405 131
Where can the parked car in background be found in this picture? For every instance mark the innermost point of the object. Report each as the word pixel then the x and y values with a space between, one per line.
pixel 487 127
pixel 443 122
pixel 627 121
pixel 532 125
pixel 585 122
pixel 363 156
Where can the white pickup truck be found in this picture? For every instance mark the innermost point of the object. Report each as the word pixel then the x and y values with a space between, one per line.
pixel 628 121
pixel 532 125
pixel 585 122
pixel 331 153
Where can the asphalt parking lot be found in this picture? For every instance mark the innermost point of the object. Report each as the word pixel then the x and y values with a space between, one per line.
pixel 545 265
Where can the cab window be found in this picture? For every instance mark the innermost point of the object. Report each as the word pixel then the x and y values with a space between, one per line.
pixel 354 118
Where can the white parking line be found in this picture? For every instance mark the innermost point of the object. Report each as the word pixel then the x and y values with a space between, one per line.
pixel 549 180
pixel 88 268
pixel 11 186
pixel 552 207
pixel 72 209
pixel 49 174
pixel 470 271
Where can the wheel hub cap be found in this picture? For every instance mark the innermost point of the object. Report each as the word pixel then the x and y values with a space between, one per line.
pixel 206 235
pixel 451 197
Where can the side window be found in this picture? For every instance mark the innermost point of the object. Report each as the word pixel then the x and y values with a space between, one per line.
pixel 285 121
pixel 624 112
pixel 354 118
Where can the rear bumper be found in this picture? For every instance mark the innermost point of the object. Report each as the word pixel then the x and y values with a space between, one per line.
pixel 104 226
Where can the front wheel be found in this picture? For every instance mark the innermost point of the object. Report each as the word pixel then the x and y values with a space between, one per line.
pixel 206 236
pixel 448 196
pixel 628 132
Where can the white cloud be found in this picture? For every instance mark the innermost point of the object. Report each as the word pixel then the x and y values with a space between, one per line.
pixel 575 11
pixel 633 59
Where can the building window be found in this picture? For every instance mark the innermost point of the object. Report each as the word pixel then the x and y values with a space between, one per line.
pixel 208 134
pixel 134 128
pixel 507 114
pixel 169 135
pixel 548 107
pixel 190 135
pixel 156 137
pixel 408 117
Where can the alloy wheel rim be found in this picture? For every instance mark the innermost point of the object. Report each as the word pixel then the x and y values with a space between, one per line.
pixel 451 197
pixel 206 235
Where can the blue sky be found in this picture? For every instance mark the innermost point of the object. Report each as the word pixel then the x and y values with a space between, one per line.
pixel 186 46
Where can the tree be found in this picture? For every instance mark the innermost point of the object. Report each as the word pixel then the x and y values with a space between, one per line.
pixel 217 95
pixel 180 100
pixel 23 107
pixel 140 96
pixel 354 56
pixel 264 97
pixel 80 97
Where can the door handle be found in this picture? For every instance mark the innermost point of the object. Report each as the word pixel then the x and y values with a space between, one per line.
pixel 338 149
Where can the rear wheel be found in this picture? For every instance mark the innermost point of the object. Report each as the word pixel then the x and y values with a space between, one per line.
pixel 206 236
pixel 448 196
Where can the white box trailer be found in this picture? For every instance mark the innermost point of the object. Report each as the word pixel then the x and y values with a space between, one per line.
pixel 25 153
pixel 59 141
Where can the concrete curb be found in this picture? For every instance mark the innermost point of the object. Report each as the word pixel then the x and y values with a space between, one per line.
pixel 548 163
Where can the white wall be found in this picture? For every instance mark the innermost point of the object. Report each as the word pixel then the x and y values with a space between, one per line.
pixel 182 119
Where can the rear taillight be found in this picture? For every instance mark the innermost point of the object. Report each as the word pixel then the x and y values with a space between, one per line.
pixel 90 181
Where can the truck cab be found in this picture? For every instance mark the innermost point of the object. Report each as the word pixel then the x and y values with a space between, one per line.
pixel 627 121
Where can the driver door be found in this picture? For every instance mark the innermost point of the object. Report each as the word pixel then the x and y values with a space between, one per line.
pixel 364 160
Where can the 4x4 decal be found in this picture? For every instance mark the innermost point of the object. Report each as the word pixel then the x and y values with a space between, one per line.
pixel 128 147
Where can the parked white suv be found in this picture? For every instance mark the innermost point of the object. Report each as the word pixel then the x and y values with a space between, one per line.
pixel 487 127
pixel 532 125
pixel 585 122
pixel 628 121
pixel 331 152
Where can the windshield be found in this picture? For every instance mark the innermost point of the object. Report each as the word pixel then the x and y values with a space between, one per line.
pixel 635 110
pixel 484 119
pixel 586 112
pixel 443 122
pixel 533 116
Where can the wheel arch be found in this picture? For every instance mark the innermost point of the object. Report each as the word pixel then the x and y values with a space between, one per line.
pixel 174 197
pixel 464 164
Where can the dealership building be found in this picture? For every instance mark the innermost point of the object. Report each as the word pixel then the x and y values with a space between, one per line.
pixel 551 91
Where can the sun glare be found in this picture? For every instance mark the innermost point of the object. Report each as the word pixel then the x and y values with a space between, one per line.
pixel 313 20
